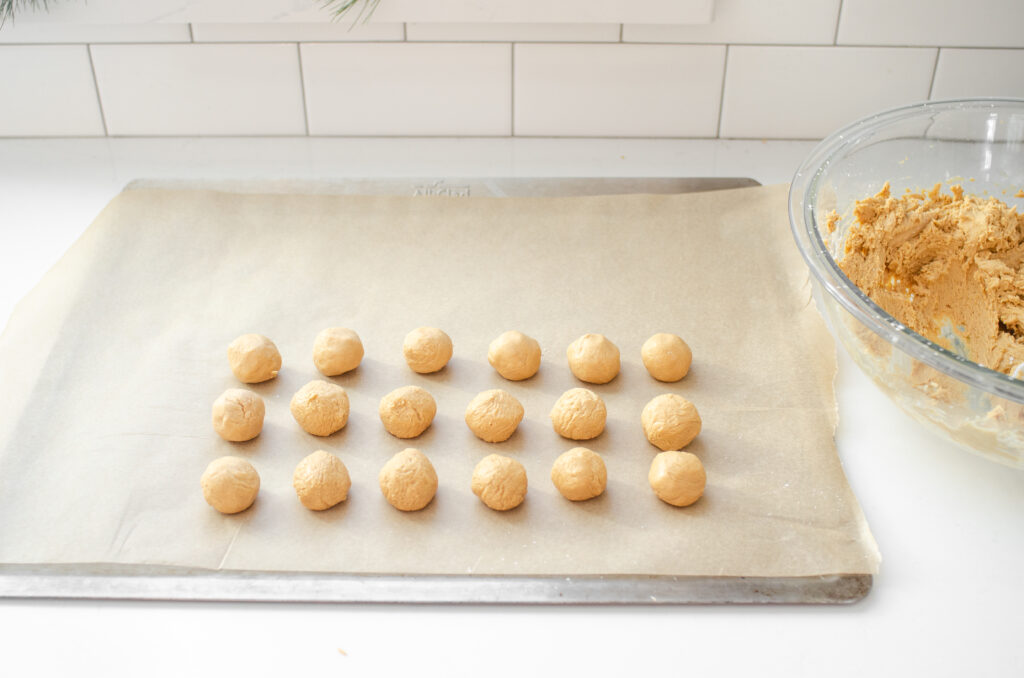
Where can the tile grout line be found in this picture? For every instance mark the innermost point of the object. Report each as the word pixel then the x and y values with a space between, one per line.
pixel 191 35
pixel 512 94
pixel 721 95
pixel 302 88
pixel 935 71
pixel 96 86
pixel 788 45
pixel 405 31
pixel 622 29
pixel 839 16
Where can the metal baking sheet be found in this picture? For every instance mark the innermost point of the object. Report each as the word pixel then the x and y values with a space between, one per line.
pixel 142 582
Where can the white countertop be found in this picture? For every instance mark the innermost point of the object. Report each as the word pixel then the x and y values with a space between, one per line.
pixel 948 599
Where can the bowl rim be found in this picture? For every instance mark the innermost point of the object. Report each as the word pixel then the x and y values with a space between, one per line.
pixel 825 269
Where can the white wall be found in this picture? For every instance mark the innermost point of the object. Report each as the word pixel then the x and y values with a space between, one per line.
pixel 789 69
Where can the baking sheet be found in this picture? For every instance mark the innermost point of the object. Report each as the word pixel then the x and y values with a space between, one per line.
pixel 113 361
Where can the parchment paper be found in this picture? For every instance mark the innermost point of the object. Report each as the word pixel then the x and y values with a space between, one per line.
pixel 109 368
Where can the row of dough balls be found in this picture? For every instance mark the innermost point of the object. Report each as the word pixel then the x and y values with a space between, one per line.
pixel 592 358
pixel 409 482
pixel 669 421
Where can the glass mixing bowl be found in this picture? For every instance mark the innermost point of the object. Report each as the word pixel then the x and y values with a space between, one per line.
pixel 977 143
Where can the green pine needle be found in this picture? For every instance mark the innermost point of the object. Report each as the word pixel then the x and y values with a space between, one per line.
pixel 339 8
pixel 7 7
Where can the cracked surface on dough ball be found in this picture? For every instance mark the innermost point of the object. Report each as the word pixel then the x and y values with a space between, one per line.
pixel 677 478
pixel 321 408
pixel 593 358
pixel 427 349
pixel 514 355
pixel 238 415
pixel 666 356
pixel 337 350
pixel 579 414
pixel 500 482
pixel 321 481
pixel 670 421
pixel 579 474
pixel 408 480
pixel 407 412
pixel 494 415
pixel 230 484
pixel 254 358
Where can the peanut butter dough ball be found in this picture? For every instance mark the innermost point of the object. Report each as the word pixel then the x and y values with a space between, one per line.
pixel 593 358
pixel 666 356
pixel 321 408
pixel 254 358
pixel 230 484
pixel 677 478
pixel 408 480
pixel 427 349
pixel 514 355
pixel 579 414
pixel 238 415
pixel 337 350
pixel 407 412
pixel 670 421
pixel 579 474
pixel 494 415
pixel 500 482
pixel 321 481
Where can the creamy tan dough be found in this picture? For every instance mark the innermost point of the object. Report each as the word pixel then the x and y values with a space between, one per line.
pixel 677 478
pixel 493 415
pixel 666 356
pixel 254 358
pixel 321 481
pixel 593 358
pixel 950 267
pixel 407 412
pixel 427 349
pixel 579 414
pixel 320 408
pixel 670 421
pixel 500 482
pixel 337 350
pixel 408 480
pixel 238 415
pixel 514 355
pixel 230 484
pixel 579 474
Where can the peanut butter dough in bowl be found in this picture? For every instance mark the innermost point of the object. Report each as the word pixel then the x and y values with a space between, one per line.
pixel 917 265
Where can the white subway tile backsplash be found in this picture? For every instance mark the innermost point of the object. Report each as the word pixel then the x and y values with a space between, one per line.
pixel 979 73
pixel 408 89
pixel 48 91
pixel 494 32
pixel 954 23
pixel 808 92
pixel 794 22
pixel 397 11
pixel 282 67
pixel 200 89
pixel 21 32
pixel 341 31
pixel 617 90
pixel 559 11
